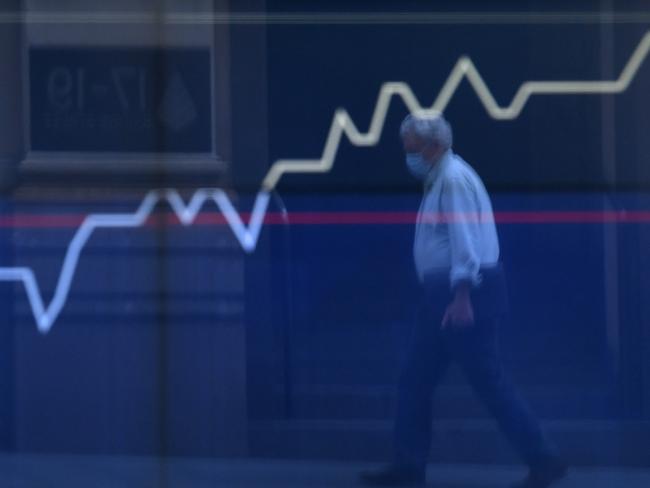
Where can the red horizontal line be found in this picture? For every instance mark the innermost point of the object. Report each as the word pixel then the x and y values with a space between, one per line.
pixel 348 218
pixel 573 217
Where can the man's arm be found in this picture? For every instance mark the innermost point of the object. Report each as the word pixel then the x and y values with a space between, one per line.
pixel 463 221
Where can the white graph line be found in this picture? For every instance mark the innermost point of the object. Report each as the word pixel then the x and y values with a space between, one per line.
pixel 341 124
pixel 464 68
pixel 45 315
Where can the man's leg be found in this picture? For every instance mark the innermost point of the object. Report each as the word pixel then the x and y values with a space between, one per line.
pixel 476 349
pixel 426 363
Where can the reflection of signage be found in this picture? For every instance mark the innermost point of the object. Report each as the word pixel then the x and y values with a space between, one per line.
pixel 120 99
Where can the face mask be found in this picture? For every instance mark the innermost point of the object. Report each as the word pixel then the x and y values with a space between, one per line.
pixel 417 165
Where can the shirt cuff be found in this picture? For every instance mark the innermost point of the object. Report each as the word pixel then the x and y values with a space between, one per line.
pixel 457 276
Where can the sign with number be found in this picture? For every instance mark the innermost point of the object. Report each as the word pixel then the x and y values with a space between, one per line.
pixel 101 99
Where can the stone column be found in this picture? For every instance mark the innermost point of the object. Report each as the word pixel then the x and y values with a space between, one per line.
pixel 11 153
pixel 11 99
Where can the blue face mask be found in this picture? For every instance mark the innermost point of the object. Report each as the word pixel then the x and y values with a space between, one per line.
pixel 417 165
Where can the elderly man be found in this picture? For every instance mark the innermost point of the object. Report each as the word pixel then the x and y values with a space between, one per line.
pixel 456 255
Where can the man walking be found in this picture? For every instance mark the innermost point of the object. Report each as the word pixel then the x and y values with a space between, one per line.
pixel 456 254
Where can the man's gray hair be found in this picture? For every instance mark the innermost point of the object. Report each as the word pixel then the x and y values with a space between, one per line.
pixel 431 128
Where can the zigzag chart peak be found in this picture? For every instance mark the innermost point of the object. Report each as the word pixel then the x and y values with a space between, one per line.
pixel 247 235
pixel 46 315
pixel 464 68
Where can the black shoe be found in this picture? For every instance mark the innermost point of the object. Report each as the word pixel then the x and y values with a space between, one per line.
pixel 542 477
pixel 393 475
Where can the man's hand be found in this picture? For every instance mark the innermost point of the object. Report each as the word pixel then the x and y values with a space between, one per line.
pixel 459 312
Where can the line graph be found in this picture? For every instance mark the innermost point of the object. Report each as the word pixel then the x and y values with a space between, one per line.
pixel 46 315
pixel 464 68
pixel 342 124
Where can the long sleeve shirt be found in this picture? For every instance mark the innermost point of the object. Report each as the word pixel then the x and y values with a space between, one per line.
pixel 455 228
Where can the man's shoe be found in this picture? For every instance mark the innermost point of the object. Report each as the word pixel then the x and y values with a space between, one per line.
pixel 393 475
pixel 542 477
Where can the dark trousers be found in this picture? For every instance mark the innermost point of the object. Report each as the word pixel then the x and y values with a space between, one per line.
pixel 476 350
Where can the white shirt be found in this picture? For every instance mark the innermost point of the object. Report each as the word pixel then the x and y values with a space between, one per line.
pixel 455 228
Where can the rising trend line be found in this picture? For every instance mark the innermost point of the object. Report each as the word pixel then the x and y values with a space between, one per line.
pixel 45 315
pixel 464 68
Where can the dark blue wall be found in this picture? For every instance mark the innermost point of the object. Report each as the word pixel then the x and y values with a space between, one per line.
pixel 132 364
